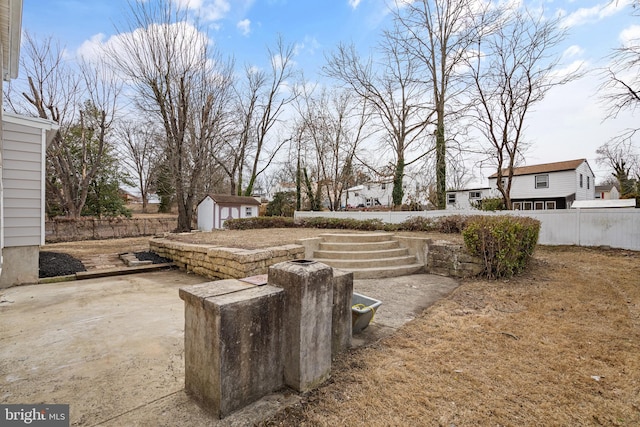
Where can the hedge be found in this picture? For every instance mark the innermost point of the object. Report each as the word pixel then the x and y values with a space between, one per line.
pixel 505 243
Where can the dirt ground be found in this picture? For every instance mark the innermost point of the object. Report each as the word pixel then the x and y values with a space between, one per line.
pixel 557 345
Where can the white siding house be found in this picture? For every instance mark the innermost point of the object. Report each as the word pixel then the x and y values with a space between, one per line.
pixel 369 195
pixel 550 185
pixel 22 172
pixel 24 145
pixel 465 199
pixel 215 209
pixel 537 187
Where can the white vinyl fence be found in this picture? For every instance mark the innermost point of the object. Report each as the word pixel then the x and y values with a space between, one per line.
pixel 617 228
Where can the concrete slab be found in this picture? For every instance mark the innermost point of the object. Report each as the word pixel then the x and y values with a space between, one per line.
pixel 113 347
pixel 403 298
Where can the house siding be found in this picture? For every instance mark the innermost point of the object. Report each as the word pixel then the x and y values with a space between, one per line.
pixel 561 184
pixel 587 191
pixel 464 202
pixel 22 182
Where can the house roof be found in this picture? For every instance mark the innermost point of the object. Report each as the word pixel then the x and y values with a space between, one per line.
pixel 10 31
pixel 606 187
pixel 544 167
pixel 469 189
pixel 229 199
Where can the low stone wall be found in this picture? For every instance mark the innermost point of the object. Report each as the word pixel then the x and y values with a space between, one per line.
pixel 451 259
pixel 68 230
pixel 224 263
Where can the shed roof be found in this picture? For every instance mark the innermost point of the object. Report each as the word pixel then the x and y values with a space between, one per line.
pixel 229 199
pixel 597 203
pixel 544 167
pixel 605 187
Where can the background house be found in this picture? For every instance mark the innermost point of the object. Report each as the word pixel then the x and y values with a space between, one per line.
pixel 550 185
pixel 536 187
pixel 368 195
pixel 464 199
pixel 215 209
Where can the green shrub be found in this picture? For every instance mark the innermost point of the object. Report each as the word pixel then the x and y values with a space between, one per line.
pixel 283 204
pixel 342 223
pixel 452 223
pixel 505 243
pixel 259 222
pixel 491 204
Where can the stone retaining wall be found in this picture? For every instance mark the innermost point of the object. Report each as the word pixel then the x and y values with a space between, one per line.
pixel 68 230
pixel 451 259
pixel 224 263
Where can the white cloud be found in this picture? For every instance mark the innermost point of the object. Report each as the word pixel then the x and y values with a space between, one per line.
pixel 189 4
pixel 183 33
pixel 90 50
pixel 216 10
pixel 308 44
pixel 596 13
pixel 630 36
pixel 572 51
pixel 244 26
pixel 354 3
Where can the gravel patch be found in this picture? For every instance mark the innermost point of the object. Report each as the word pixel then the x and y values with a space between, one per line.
pixel 151 256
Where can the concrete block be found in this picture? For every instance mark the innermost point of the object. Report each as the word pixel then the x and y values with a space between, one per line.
pixel 341 316
pixel 233 343
pixel 20 266
pixel 308 319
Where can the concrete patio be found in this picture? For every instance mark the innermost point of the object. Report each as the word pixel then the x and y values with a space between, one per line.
pixel 113 347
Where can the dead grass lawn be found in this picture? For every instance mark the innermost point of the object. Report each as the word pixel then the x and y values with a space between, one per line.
pixel 557 346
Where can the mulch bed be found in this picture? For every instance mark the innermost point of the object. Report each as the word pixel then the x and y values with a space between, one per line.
pixel 54 264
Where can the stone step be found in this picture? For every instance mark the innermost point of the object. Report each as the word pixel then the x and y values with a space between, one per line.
pixel 385 253
pixel 358 247
pixel 356 237
pixel 386 272
pixel 349 264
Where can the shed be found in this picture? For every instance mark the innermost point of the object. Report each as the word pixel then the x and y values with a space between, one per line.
pixel 215 209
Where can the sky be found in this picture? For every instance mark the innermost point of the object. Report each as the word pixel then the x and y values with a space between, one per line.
pixel 568 124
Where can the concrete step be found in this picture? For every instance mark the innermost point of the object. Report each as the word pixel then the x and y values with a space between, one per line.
pixel 356 237
pixel 358 247
pixel 349 264
pixel 381 273
pixel 385 253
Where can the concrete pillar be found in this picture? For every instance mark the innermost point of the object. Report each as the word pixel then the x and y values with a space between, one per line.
pixel 341 317
pixel 308 319
pixel 233 343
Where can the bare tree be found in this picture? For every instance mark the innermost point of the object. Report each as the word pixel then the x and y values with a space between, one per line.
pixel 439 33
pixel 512 69
pixel 83 102
pixel 260 100
pixel 334 125
pixel 624 161
pixel 390 86
pixel 140 152
pixel 178 80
